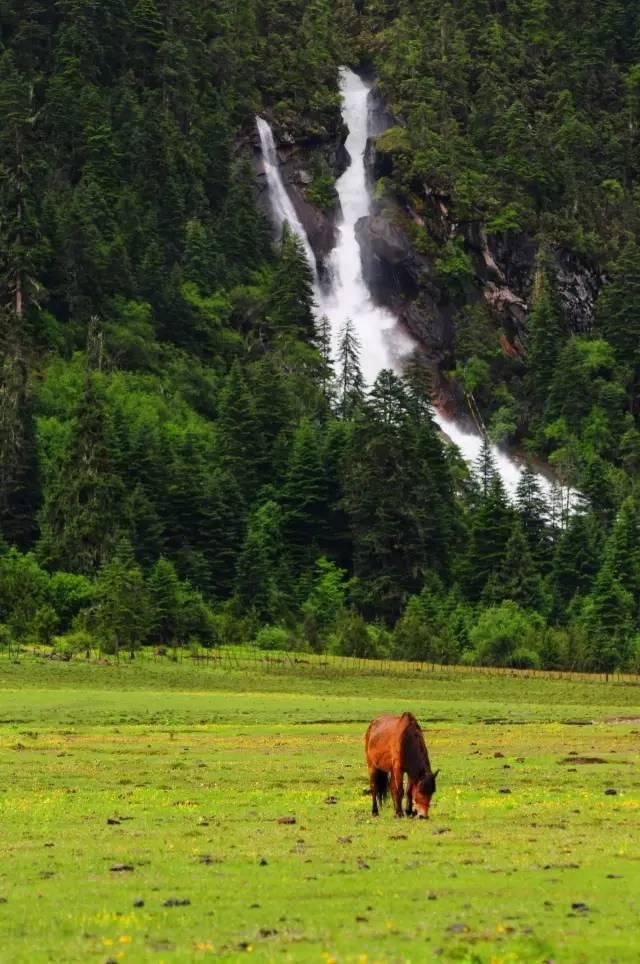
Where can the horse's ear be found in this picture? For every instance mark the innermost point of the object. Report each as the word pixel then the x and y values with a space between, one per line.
pixel 436 773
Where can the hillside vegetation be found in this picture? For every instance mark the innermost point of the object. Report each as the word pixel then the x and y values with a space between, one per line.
pixel 181 459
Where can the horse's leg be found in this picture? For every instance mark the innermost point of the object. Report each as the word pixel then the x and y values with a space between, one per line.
pixel 397 790
pixel 372 785
pixel 409 810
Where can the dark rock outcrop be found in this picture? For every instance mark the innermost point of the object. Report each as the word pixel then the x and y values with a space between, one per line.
pixel 401 278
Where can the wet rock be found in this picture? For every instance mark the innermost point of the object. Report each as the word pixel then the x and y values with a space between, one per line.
pixel 121 868
pixel 504 790
pixel 138 903
pixel 176 902
pixel 610 792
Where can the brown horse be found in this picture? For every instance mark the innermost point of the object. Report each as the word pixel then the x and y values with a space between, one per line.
pixel 394 745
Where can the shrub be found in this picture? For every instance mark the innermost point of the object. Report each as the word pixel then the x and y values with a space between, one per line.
pixel 353 638
pixel 501 631
pixel 524 658
pixel 272 638
pixel 78 641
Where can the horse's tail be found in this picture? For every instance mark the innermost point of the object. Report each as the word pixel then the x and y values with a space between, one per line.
pixel 381 785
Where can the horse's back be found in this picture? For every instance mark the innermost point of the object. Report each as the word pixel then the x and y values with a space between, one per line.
pixel 384 739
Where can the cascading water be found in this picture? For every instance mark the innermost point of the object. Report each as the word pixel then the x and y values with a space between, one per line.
pixel 283 209
pixel 383 343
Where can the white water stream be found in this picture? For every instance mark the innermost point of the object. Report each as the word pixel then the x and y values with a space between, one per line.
pixel 383 343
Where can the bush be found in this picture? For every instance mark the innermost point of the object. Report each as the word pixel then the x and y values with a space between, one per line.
pixel 79 641
pixel 524 658
pixel 273 637
pixel 353 637
pixel 68 594
pixel 504 630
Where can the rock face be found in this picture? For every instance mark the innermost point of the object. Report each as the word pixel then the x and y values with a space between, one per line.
pixel 503 267
pixel 303 145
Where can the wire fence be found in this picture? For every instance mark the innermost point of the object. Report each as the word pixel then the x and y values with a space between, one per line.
pixel 250 659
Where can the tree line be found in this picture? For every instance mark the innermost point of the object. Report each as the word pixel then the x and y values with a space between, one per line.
pixel 181 458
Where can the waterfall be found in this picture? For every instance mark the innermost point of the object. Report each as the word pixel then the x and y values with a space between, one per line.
pixel 282 207
pixel 383 343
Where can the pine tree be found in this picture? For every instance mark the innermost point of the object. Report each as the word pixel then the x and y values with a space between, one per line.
pixel 258 580
pixel 239 439
pixel 575 561
pixel 490 530
pixel 350 383
pixel 304 499
pixel 164 597
pixel 608 614
pixel 619 315
pixel 533 513
pixel 82 512
pixel 123 611
pixel 518 578
pixel 292 301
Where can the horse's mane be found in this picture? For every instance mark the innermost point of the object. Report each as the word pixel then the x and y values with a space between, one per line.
pixel 416 756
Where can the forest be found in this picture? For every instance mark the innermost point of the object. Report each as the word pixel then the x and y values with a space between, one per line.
pixel 182 460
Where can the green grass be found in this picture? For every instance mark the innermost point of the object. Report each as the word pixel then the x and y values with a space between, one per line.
pixel 198 763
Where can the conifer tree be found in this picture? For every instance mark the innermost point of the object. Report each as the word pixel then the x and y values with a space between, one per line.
pixel 533 513
pixel 82 511
pixel 490 528
pixel 350 383
pixel 258 579
pixel 304 498
pixel 123 612
pixel 619 315
pixel 292 302
pixel 517 578
pixel 575 561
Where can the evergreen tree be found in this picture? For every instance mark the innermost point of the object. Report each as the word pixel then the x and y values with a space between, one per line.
pixel 350 383
pixel 123 611
pixel 258 580
pixel 82 511
pixel 533 513
pixel 575 561
pixel 304 498
pixel 291 307
pixel 517 578
pixel 490 528
pixel 163 587
pixel 619 316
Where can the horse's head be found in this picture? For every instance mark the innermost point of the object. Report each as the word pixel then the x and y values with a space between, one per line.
pixel 422 793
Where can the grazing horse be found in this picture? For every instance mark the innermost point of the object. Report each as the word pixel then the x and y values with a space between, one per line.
pixel 394 745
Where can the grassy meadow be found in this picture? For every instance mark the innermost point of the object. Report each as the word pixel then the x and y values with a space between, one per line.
pixel 160 812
